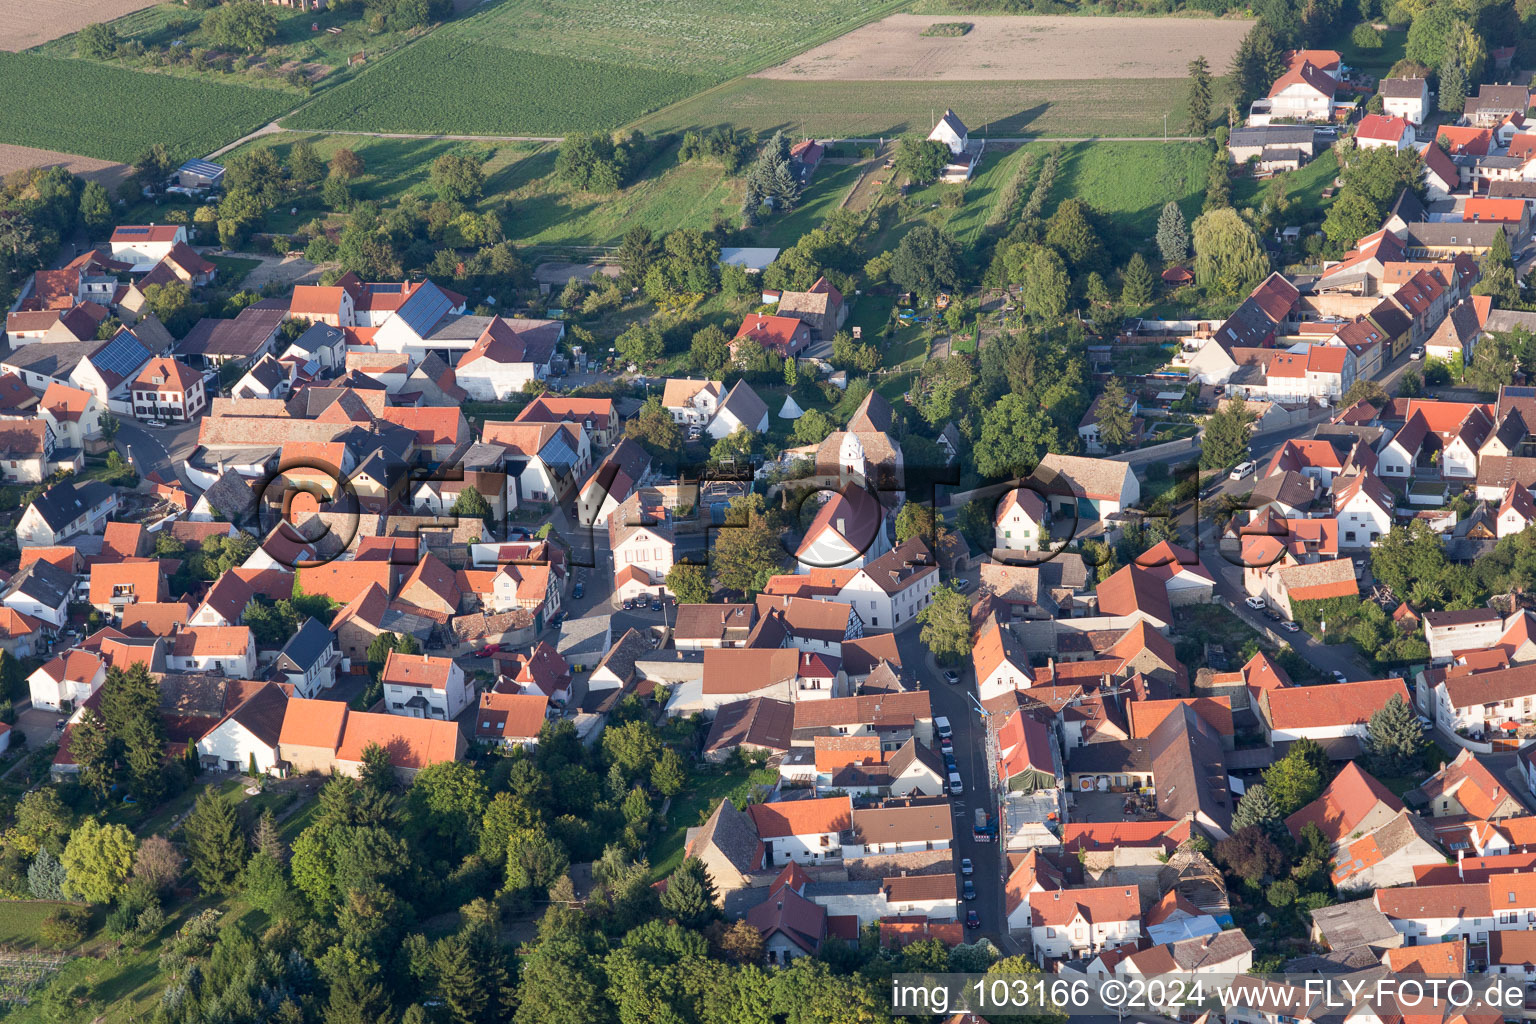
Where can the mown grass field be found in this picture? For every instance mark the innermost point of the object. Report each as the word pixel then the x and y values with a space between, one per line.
pixel 1128 183
pixel 1108 107
pixel 115 114
pixel 533 67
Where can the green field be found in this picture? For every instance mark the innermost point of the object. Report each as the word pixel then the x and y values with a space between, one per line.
pixel 114 114
pixel 1107 107
pixel 1128 183
pixel 448 84
pixel 531 67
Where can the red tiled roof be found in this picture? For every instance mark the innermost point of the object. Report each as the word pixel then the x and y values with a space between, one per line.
pixel 1343 804
pixel 802 817
pixel 1335 704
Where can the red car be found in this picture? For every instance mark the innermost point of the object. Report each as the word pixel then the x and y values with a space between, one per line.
pixel 488 650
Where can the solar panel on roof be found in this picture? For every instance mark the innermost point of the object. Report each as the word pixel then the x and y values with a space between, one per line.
pixel 133 231
pixel 426 306
pixel 1516 391
pixel 122 355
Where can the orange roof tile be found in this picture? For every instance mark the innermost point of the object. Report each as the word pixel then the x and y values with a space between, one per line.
pixel 802 817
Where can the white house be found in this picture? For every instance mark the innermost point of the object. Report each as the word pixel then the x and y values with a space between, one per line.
pixel 221 650
pixel 1515 512
pixel 741 407
pixel 803 831
pixel 849 530
pixel 168 389
pixel 65 510
pixel 1326 712
pixel 1000 660
pixel 1483 701
pixel 691 402
pixel 308 661
pixel 1090 489
pixel 1407 98
pixel 506 356
pixel 1364 507
pixel 1021 520
pixel 1304 92
pixel 1081 922
pixel 1377 131
pixel 66 681
pixel 41 590
pixel 144 245
pixel 888 592
pixel 421 686
pixel 247 735
pixel 1464 629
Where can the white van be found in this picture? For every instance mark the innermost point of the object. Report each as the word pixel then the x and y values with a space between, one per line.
pixel 1242 470
pixel 941 726
pixel 956 787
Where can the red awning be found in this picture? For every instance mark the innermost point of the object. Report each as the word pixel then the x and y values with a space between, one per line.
pixel 1511 726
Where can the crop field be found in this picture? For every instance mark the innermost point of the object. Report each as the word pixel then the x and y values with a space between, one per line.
pixel 114 114
pixel 31 24
pixel 1011 48
pixel 537 67
pixel 1131 107
pixel 108 172
pixel 450 85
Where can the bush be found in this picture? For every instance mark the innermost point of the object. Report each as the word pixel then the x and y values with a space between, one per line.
pixel 1365 37
pixel 66 927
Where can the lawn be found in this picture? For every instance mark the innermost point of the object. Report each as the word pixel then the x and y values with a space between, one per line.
pixel 115 114
pixel 1128 183
pixel 688 810
pixel 1372 62
pixel 529 67
pixel 233 269
pixel 22 921
pixel 1081 108
pixel 824 194
pixel 983 192
pixel 1303 189
pixel 908 345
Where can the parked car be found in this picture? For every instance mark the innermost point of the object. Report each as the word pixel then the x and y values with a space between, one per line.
pixel 961 584
pixel 1426 724
pixel 972 919
pixel 951 676
pixel 557 621
pixel 1256 603
pixel 968 889
pixel 629 604
pixel 966 869
pixel 1416 354
pixel 1339 677
pixel 1290 627
pixel 577 591
pixel 488 650
pixel 655 604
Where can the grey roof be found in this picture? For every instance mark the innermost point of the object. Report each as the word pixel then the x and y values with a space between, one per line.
pixel 319 336
pixel 231 497
pixel 1401 88
pixel 1271 135
pixel 1351 925
pixel 1509 319
pixel 749 257
pixel 1288 488
pixel 732 833
pixel 66 501
pixel 1206 951
pixel 243 336
pixel 1189 769
pixel 269 373
pixel 1512 190
pixel 914 751
pixel 55 359
pixel 483 457
pixel 1340 961
pixel 621 658
pixel 306 646
pixel 745 404
pixel 426 306
pixel 42 581
pixel 1435 234
pixel 759 722
pixel 1407 208
pixel 1500 98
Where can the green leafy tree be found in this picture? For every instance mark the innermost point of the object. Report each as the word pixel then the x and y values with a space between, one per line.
pixel 1136 293
pixel 1114 408
pixel 305 168
pixel 946 625
pixel 669 774
pixel 458 178
pixel 1199 96
pixel 97 860
pixel 446 802
pixel 471 504
pixel 642 344
pixel 40 821
pixel 927 261
pixel 1014 437
pixel 690 895
pixel 1071 233
pixel 914 519
pixel 921 160
pixel 710 350
pixel 1394 738
pixel 1225 441
pixel 1218 189
pixel 1257 63
pixel 1293 782
pixel 688 583
pixel 95 206
pixel 1172 235
pixel 1047 288
pixel 265 886
pixel 215 842
pixel 748 553
pixel 90 743
pixel 654 429
pixel 1229 258
pixel 97 41
pixel 242 25
pixel 811 428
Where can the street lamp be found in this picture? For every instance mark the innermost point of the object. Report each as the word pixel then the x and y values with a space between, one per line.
pixel 1165 127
